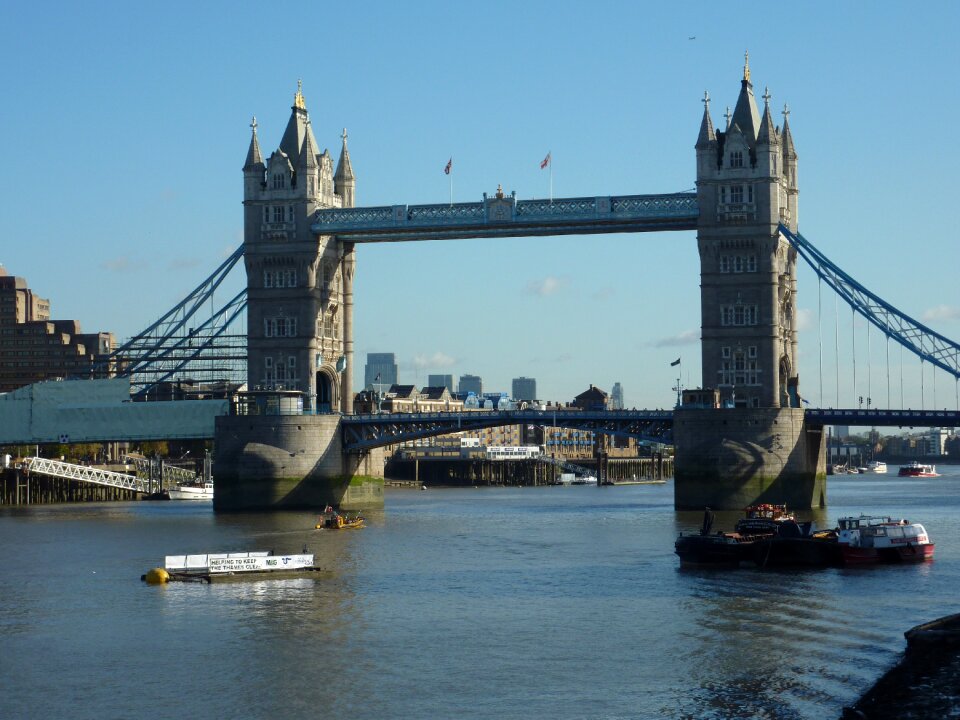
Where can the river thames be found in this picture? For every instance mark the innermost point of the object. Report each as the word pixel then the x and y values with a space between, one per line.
pixel 552 602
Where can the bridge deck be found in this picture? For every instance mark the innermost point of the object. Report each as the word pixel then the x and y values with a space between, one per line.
pixel 508 217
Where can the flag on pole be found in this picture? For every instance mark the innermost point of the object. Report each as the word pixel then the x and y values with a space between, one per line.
pixel 675 362
pixel 449 167
pixel 545 161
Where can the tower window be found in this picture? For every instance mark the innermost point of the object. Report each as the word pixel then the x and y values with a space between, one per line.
pixel 289 213
pixel 266 213
pixel 738 314
pixel 279 181
pixel 736 194
pixel 736 159
pixel 278 214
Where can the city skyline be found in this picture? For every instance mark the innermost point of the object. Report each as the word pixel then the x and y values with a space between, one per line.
pixel 572 310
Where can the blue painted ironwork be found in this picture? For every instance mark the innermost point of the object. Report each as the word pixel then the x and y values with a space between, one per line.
pixel 505 216
pixel 182 345
pixel 883 418
pixel 913 335
pixel 362 432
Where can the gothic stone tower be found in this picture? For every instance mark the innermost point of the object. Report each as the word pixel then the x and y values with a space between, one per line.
pixel 299 286
pixel 755 446
pixel 299 338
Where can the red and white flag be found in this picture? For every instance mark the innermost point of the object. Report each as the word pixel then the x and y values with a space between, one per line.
pixel 449 167
pixel 545 162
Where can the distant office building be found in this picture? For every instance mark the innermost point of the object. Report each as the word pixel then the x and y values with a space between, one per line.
pixel 34 348
pixel 525 388
pixel 841 432
pixel 440 381
pixel 616 397
pixel 470 383
pixel 383 365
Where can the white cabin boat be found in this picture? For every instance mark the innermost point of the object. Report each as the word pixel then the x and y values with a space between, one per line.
pixel 192 491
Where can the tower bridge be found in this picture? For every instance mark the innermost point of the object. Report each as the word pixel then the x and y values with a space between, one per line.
pixel 742 438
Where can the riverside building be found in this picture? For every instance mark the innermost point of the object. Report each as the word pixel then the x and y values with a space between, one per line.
pixel 33 347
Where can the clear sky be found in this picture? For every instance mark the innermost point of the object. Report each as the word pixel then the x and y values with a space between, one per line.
pixel 126 126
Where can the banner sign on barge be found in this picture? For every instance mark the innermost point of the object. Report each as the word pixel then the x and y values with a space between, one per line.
pixel 236 562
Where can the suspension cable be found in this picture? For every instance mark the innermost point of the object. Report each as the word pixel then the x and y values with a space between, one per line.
pixel 888 373
pixel 836 342
pixel 820 332
pixel 853 340
pixel 869 371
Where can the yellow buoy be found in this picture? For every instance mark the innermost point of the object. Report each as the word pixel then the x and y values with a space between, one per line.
pixel 157 576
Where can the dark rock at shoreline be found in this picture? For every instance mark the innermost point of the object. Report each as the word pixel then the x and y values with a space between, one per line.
pixel 926 681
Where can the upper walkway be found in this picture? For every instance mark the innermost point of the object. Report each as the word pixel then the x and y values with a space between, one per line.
pixel 505 216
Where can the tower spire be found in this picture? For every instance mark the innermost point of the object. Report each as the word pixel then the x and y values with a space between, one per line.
pixel 707 134
pixel 746 66
pixel 767 133
pixel 344 182
pixel 254 157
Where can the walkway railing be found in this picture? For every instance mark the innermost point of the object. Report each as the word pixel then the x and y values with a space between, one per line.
pixel 83 473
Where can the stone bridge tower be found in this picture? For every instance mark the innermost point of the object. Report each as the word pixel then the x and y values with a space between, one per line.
pixel 754 447
pixel 746 186
pixel 268 453
pixel 299 286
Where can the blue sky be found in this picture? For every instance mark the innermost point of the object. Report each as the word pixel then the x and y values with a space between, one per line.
pixel 126 125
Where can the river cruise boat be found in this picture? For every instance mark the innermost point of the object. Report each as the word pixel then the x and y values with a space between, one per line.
pixel 869 539
pixel 192 491
pixel 880 468
pixel 916 469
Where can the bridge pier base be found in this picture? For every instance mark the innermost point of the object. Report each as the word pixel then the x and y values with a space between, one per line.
pixel 730 458
pixel 278 462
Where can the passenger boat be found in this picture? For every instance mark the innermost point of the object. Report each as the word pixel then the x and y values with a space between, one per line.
pixel 192 491
pixel 876 466
pixel 871 539
pixel 729 548
pixel 916 469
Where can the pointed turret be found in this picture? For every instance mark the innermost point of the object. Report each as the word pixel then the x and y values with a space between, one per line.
pixel 308 153
pixel 789 153
pixel 254 157
pixel 344 182
pixel 745 113
pixel 768 132
pixel 707 134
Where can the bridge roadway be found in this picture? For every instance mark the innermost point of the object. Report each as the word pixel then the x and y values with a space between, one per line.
pixel 505 216
pixel 362 432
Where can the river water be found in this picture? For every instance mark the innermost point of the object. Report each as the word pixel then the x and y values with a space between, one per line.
pixel 555 602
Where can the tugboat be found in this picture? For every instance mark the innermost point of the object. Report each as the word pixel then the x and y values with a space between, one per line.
pixel 867 540
pixel 330 519
pixel 727 549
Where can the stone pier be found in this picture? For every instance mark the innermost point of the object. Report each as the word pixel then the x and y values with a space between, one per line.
pixel 273 462
pixel 729 458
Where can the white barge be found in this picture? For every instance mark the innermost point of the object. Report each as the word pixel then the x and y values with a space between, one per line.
pixel 219 567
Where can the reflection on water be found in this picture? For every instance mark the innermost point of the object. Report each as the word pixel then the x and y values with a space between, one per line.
pixel 513 602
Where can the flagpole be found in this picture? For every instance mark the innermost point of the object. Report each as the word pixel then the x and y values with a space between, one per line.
pixel 551 176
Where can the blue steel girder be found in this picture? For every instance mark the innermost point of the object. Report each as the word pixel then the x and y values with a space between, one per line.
pixel 363 432
pixel 509 217
pixel 922 341
pixel 882 418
